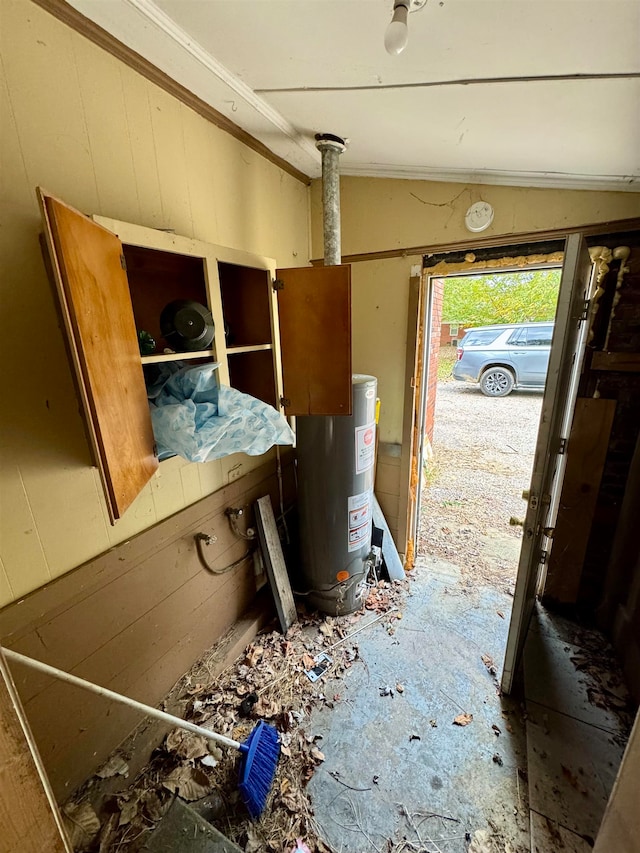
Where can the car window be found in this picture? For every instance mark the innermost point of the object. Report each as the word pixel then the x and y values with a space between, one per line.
pixel 539 336
pixel 480 338
pixel 518 338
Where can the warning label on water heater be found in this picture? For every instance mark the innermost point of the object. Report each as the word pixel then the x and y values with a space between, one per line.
pixel 359 508
pixel 365 447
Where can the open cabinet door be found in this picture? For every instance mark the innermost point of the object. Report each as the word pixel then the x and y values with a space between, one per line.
pixel 557 407
pixel 314 310
pixel 88 269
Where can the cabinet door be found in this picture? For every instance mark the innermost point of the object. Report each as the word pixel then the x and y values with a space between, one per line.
pixel 314 309
pixel 88 269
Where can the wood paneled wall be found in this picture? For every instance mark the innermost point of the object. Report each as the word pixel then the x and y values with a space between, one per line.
pixel 133 619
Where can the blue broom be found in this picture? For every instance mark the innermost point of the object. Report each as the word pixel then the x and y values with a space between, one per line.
pixel 260 751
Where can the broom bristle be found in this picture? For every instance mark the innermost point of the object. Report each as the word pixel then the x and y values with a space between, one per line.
pixel 260 754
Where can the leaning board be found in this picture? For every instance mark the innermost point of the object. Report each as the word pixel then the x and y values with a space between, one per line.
pixel 274 561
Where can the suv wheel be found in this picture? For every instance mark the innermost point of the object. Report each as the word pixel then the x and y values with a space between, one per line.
pixel 497 382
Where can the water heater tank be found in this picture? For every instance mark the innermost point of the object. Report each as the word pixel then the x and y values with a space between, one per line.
pixel 336 458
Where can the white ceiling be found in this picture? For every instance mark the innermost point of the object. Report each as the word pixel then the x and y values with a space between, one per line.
pixel 286 69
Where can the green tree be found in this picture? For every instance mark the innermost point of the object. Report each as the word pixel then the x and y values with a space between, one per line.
pixel 481 300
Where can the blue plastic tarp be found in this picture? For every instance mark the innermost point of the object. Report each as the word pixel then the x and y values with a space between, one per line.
pixel 195 418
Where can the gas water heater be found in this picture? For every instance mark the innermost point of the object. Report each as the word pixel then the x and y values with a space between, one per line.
pixel 336 456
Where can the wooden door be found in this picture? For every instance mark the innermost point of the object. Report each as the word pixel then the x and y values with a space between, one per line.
pixel 88 270
pixel 557 407
pixel 314 309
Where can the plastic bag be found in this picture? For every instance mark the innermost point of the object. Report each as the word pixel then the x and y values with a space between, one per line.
pixel 195 418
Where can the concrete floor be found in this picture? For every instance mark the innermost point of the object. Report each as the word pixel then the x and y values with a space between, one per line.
pixel 509 781
pixel 404 750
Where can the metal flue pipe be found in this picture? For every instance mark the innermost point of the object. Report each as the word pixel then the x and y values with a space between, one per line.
pixel 331 147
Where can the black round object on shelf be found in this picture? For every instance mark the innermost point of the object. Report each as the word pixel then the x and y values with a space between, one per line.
pixel 187 326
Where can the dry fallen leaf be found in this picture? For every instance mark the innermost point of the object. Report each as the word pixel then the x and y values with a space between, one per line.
pixel 186 745
pixel 463 720
pixel 254 841
pixel 115 766
pixel 81 823
pixel 155 807
pixel 500 614
pixel 400 688
pixel 188 782
pixel 284 786
pixel 254 653
pixel 488 661
pixel 317 755
pixel 128 808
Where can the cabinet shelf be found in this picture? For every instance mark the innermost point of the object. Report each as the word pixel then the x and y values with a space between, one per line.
pixel 251 348
pixel 156 358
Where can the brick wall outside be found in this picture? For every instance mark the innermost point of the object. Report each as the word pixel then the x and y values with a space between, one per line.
pixel 434 351
pixel 446 337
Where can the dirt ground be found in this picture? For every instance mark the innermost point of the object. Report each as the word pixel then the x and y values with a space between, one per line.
pixel 482 457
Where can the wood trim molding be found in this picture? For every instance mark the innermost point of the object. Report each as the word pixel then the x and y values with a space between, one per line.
pixel 103 39
pixel 414 350
pixel 612 227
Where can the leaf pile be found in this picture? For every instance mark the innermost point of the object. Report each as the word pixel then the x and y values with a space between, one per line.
pixel 267 682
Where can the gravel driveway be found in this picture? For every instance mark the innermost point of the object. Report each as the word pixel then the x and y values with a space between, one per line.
pixel 483 454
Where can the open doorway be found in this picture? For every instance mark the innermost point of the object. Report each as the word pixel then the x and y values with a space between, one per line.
pixel 572 689
pixel 490 341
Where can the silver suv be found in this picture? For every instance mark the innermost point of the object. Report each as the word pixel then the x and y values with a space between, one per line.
pixel 505 357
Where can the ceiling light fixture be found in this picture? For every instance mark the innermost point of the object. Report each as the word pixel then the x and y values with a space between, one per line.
pixel 396 35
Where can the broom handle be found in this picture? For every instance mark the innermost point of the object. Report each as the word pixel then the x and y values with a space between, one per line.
pixel 123 700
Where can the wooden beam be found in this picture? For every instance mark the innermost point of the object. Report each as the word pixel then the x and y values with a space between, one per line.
pixel 29 818
pixel 616 362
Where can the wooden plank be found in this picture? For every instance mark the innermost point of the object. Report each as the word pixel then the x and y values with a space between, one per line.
pixel 94 296
pixel 29 818
pixel 586 454
pixel 274 561
pixel 314 308
pixel 620 362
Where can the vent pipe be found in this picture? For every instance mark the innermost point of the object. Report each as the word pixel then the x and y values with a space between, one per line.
pixel 331 147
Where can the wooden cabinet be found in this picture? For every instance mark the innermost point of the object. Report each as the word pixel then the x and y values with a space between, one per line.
pixel 283 336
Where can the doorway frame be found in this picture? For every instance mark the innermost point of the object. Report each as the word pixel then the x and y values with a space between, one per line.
pixel 418 364
pixel 415 354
